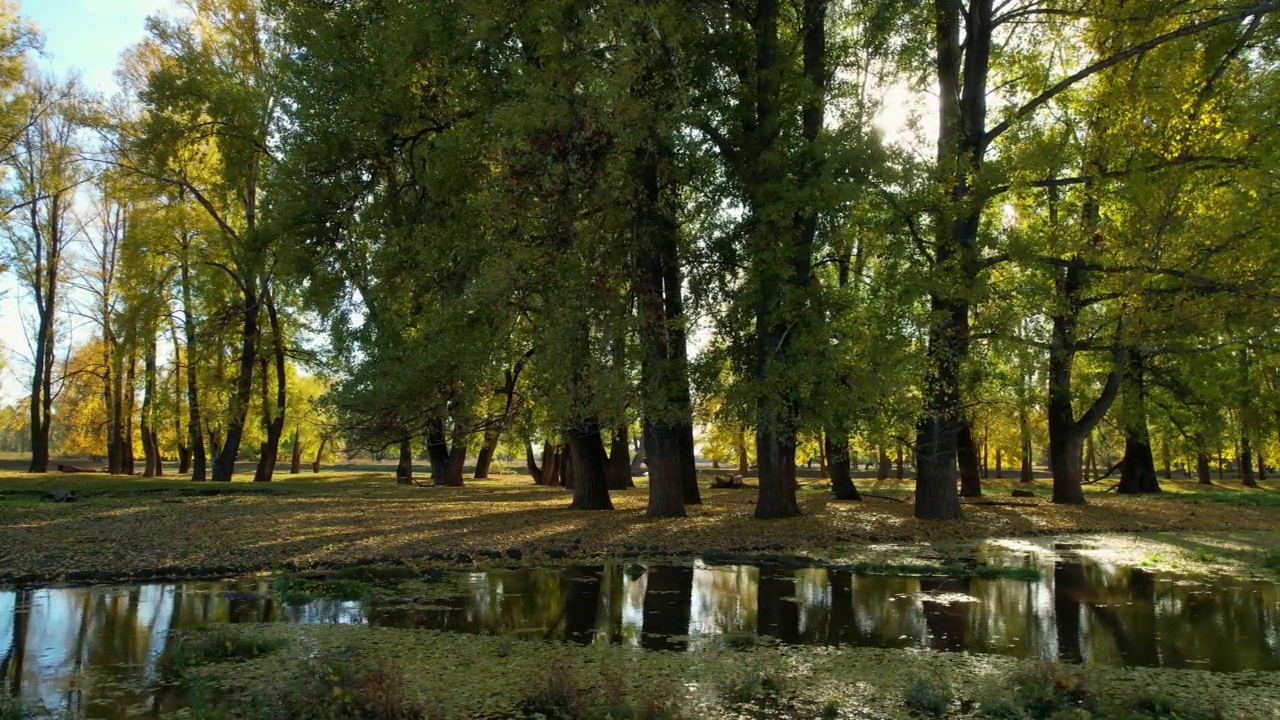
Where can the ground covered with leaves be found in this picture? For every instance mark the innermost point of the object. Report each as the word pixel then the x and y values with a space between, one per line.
pixel 130 527
pixel 424 674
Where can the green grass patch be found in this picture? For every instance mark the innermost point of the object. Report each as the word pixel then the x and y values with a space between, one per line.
pixel 1242 497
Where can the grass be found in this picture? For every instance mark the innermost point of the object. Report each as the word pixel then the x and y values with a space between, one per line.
pixel 132 527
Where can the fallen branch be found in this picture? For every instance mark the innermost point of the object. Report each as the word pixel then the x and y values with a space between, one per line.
pixel 882 497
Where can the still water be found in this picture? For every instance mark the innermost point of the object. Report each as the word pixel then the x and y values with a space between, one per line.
pixel 1079 611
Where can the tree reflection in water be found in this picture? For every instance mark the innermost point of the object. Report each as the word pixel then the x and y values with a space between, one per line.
pixel 59 646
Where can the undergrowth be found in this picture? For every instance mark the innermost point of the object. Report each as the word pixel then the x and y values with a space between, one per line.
pixel 213 645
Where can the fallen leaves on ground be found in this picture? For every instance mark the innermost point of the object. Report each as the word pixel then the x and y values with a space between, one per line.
pixel 131 527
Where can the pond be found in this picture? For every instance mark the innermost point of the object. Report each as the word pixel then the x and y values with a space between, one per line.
pixel 1080 610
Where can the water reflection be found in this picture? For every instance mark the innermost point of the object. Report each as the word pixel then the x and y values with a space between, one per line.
pixel 94 651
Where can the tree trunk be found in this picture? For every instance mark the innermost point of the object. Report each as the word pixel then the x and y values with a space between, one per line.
pixel 147 423
pixel 457 459
pixel 1262 468
pixel 588 467
pixel 970 472
pixel 961 145
pixel 1138 471
pixel 1090 459
pixel 438 451
pixel 898 461
pixel 274 419
pixel 195 433
pixel 776 455
pixel 620 460
pixel 1245 461
pixel 743 466
pixel 666 487
pixel 404 468
pixel 295 459
pixel 883 465
pixel 128 403
pixel 1202 461
pixel 658 290
pixel 531 463
pixel 840 465
pixel 999 463
pixel 485 457
pixel 315 464
pixel 224 465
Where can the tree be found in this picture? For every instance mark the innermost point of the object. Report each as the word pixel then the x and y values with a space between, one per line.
pixel 48 175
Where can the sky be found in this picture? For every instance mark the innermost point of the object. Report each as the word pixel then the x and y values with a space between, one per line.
pixel 87 36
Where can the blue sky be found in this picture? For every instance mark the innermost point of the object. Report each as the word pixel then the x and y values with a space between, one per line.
pixel 88 35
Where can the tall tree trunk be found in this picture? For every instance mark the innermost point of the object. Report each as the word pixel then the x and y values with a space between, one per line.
pixel 1245 461
pixel 658 290
pixel 114 391
pixel 661 446
pixel 295 459
pixel 1138 470
pixel 438 451
pixel 531 462
pixel 147 423
pixel 840 465
pixel 1090 459
pixel 404 468
pixel 1202 461
pixel 962 78
pixel 587 466
pixel 180 436
pixel 485 458
pixel 883 465
pixel 620 460
pixel 970 472
pixel 999 463
pixel 224 465
pixel 457 457
pixel 129 401
pixel 274 424
pixel 740 448
pixel 315 464
pixel 1066 433
pixel 195 432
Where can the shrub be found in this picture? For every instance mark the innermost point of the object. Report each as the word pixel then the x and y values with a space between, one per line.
pixel 345 685
pixel 1049 688
pixel 1271 559
pixel 14 709
pixel 928 695
pixel 218 644
pixel 999 707
pixel 564 698
pixel 754 688
pixel 296 590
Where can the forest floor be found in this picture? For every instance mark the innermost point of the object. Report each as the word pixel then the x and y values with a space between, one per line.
pixel 119 528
